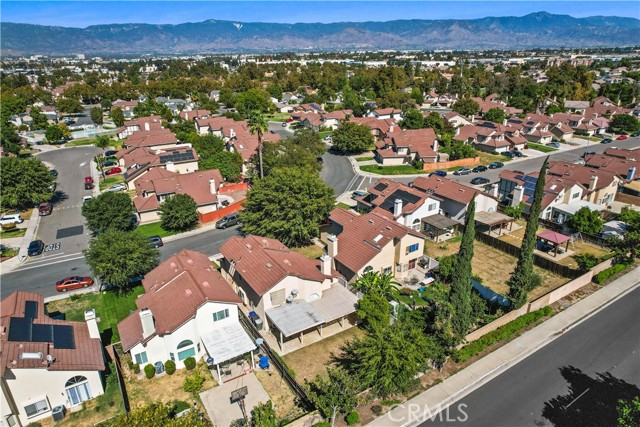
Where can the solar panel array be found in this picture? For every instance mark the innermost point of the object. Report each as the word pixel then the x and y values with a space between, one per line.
pixel 22 329
pixel 405 196
pixel 529 186
pixel 381 187
pixel 177 156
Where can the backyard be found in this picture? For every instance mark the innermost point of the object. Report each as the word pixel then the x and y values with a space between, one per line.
pixel 311 251
pixel 110 309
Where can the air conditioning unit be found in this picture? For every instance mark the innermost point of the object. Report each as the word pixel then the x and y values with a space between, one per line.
pixel 294 293
pixel 289 299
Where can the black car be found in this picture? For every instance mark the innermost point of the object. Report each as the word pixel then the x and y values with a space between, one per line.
pixel 479 180
pixel 156 241
pixel 496 165
pixel 636 134
pixel 110 153
pixel 35 248
pixel 606 141
pixel 480 168
pixel 320 160
pixel 438 173
pixel 53 172
pixel 109 163
pixel 517 153
pixel 508 154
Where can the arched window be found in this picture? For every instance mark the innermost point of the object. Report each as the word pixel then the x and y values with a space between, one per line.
pixel 186 349
pixel 77 390
pixel 368 269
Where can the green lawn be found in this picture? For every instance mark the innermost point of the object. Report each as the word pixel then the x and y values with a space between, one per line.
pixel 311 251
pixel 364 158
pixel 541 147
pixel 79 142
pixel 153 229
pixel 16 232
pixel 110 308
pixel 344 206
pixel 326 133
pixel 488 158
pixel 391 170
pixel 113 179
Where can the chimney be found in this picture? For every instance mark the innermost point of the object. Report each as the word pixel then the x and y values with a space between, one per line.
pixel 148 325
pixel 231 133
pixel 146 126
pixel 504 122
pixel 212 186
pixel 518 194
pixel 435 145
pixel 473 118
pixel 325 264
pixel 92 323
pixel 397 208
pixel 170 167
pixel 458 130
pixel 494 190
pixel 392 127
pixel 631 173
pixel 593 182
pixel 332 245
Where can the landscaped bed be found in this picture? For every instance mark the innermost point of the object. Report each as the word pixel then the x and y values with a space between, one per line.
pixel 392 170
pixel 9 234
pixel 540 147
pixel 283 399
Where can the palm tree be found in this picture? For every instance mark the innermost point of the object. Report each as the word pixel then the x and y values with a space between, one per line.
pixel 376 282
pixel 258 125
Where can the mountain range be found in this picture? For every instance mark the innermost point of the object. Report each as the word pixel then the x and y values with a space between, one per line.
pixel 536 30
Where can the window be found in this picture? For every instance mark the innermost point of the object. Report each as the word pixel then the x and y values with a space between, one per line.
pixel 187 352
pixel 78 390
pixel 198 347
pixel 432 207
pixel 37 408
pixel 387 270
pixel 141 358
pixel 368 269
pixel 575 196
pixel 412 248
pixel 219 315
pixel 172 356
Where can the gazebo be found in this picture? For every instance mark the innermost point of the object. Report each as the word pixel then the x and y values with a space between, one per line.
pixel 555 239
pixel 494 219
pixel 438 225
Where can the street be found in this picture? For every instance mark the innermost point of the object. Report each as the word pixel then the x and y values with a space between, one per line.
pixel 576 380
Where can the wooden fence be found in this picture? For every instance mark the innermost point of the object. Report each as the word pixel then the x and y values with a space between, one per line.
pixel 216 215
pixel 451 164
pixel 121 385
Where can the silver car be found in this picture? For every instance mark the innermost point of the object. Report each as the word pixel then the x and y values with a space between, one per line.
pixel 117 187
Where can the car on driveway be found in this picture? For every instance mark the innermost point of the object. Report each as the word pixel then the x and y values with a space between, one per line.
pixel 508 154
pixel 553 145
pixel 45 208
pixel 462 171
pixel 438 173
pixel 606 141
pixel 517 153
pixel 110 153
pixel 109 163
pixel 113 171
pixel 228 221
pixel 156 241
pixel 11 219
pixel 478 180
pixel 358 193
pixel 496 165
pixel 117 187
pixel 479 168
pixel 35 248
pixel 73 282
pixel 622 137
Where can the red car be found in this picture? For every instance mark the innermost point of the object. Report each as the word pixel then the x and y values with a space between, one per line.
pixel 289 120
pixel 113 171
pixel 622 137
pixel 88 180
pixel 45 208
pixel 73 282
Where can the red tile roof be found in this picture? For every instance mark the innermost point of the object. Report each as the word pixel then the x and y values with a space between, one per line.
pixel 391 188
pixel 421 141
pixel 447 189
pixel 582 174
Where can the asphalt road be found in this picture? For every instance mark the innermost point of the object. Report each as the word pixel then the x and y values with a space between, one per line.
pixel 574 381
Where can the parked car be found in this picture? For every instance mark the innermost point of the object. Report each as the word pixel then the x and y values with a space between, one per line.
pixel 156 241
pixel 45 208
pixel 554 144
pixel 636 134
pixel 462 171
pixel 508 154
pixel 110 153
pixel 289 120
pixel 85 199
pixel 517 153
pixel 228 221
pixel 496 165
pixel 109 163
pixel 555 140
pixel 73 282
pixel 35 248
pixel 11 219
pixel 606 141
pixel 438 173
pixel 117 187
pixel 480 180
pixel 53 172
pixel 88 180
pixel 358 193
pixel 479 168
pixel 320 160
pixel 622 137
pixel 113 171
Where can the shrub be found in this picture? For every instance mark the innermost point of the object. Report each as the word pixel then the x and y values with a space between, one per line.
pixel 9 227
pixel 136 369
pixel 179 406
pixel 193 384
pixel 34 425
pixel 514 212
pixel 130 364
pixel 352 418
pixel 149 371
pixel 170 367
pixel 503 332
pixel 322 424
pixel 190 363
pixel 377 410
pixel 605 275
pixel 586 261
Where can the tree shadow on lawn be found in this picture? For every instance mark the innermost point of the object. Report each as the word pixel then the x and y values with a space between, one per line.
pixel 590 401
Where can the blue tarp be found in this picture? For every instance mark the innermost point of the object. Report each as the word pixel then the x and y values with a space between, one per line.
pixel 264 362
pixel 490 295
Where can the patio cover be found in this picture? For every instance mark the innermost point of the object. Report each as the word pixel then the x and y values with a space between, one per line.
pixel 492 218
pixel 572 208
pixel 440 221
pixel 227 342
pixel 335 303
pixel 553 237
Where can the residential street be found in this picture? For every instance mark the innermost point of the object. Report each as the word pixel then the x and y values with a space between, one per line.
pixel 573 381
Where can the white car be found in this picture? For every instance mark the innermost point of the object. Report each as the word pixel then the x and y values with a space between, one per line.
pixel 11 219
pixel 85 199
pixel 117 187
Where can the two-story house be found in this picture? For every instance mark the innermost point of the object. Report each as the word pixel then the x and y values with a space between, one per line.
pixel 404 146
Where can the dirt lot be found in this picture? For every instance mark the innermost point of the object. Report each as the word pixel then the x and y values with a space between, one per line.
pixel 310 361
pixel 281 395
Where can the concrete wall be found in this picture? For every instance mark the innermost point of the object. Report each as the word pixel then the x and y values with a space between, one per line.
pixel 187 167
pixel 216 215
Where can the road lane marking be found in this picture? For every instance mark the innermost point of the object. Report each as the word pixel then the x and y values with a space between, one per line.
pixel 29 266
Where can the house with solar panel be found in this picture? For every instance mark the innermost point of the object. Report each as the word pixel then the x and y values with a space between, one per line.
pixel 47 365
pixel 137 161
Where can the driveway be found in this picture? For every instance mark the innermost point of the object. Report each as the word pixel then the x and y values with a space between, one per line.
pixel 284 132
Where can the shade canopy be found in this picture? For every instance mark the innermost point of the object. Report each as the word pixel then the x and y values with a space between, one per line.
pixel 553 237
pixel 226 342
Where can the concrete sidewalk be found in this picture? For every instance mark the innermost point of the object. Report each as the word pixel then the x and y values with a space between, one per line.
pixel 29 235
pixel 440 396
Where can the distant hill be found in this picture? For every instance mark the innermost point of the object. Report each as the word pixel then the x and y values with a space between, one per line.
pixel 534 30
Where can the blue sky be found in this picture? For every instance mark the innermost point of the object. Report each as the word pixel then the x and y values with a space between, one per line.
pixel 84 13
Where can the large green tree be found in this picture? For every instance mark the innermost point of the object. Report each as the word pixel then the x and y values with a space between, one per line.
pixel 466 107
pixel 264 415
pixel 352 137
pixel 524 278
pixel 287 154
pixel 179 213
pixel 253 100
pixel 384 284
pixel 109 210
pixel 53 133
pixel 96 115
pixel 374 311
pixel 586 221
pixel 625 122
pixel 117 256
pixel 460 296
pixel 333 393
pixel 495 115
pixel 310 140
pixel 68 105
pixel 24 182
pixel 412 119
pixel 117 116
pixel 287 205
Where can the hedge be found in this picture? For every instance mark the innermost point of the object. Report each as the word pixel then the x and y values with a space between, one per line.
pixel 190 363
pixel 605 275
pixel 503 332
pixel 352 418
pixel 170 367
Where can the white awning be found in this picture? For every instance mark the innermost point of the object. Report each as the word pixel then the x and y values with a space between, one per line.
pixel 572 208
pixel 227 342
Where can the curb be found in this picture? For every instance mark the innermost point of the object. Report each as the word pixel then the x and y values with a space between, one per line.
pixel 24 245
pixel 190 233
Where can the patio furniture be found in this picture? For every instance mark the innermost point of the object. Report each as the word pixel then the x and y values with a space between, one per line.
pixel 264 362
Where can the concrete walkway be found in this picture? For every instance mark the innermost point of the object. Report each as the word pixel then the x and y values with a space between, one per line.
pixel 217 401
pixel 29 235
pixel 440 396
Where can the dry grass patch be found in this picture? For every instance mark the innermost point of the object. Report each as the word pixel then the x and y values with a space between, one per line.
pixel 583 248
pixel 436 250
pixel 311 251
pixel 281 395
pixel 312 360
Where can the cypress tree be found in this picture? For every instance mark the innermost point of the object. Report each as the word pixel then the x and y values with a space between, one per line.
pixel 524 279
pixel 460 296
